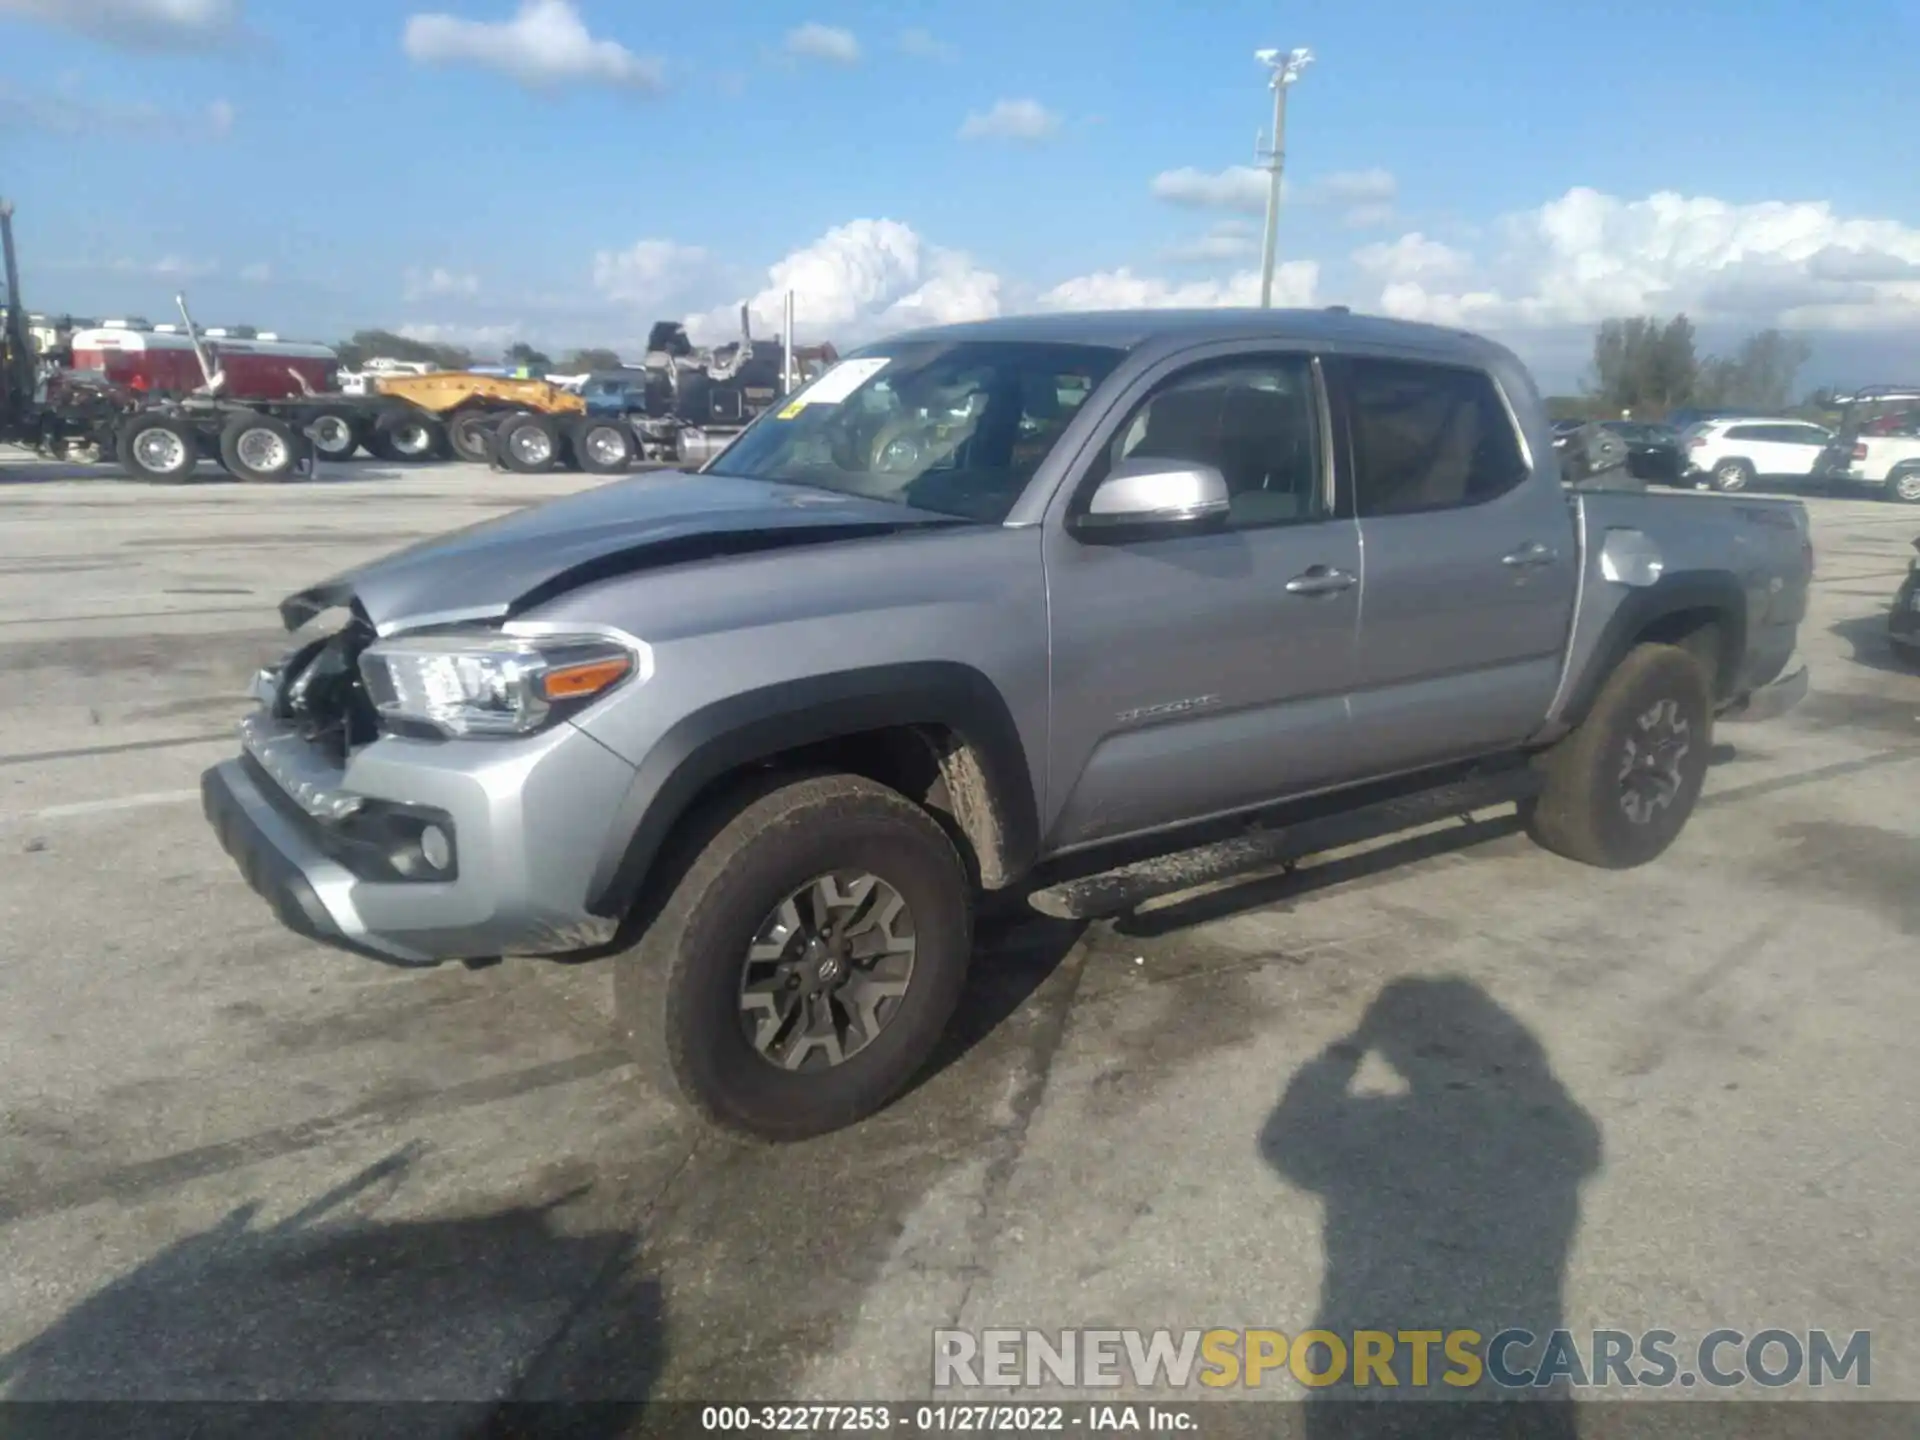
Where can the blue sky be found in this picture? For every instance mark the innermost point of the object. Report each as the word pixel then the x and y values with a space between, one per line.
pixel 321 165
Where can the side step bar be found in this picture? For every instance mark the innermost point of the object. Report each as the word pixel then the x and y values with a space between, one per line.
pixel 1116 891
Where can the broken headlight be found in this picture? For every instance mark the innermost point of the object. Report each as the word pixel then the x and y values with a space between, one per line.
pixel 488 683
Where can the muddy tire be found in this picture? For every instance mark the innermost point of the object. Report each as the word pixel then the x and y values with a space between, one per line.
pixel 803 955
pixel 260 448
pixel 1620 787
pixel 158 447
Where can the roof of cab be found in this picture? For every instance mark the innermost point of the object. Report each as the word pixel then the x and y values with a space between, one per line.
pixel 1128 329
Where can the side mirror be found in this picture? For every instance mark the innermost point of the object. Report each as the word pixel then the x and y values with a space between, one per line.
pixel 1156 493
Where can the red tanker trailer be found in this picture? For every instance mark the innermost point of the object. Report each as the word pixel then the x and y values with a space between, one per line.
pixel 163 362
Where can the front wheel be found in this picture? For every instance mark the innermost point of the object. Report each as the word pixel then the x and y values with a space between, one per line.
pixel 1621 785
pixel 1903 485
pixel 805 958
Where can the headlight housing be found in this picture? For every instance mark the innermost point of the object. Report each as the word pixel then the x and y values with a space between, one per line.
pixel 491 683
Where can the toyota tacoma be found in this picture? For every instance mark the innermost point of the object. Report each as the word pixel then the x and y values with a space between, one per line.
pixel 1071 611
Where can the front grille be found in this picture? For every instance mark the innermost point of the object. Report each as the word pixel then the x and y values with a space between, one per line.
pixel 321 692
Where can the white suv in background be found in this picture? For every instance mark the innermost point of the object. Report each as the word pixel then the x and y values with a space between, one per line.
pixel 1731 454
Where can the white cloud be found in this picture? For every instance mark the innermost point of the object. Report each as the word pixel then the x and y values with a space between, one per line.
pixel 1228 240
pixel 545 45
pixel 1022 120
pixel 814 41
pixel 471 337
pixel 139 24
pixel 1363 197
pixel 1412 257
pixel 439 281
pixel 1294 283
pixel 173 268
pixel 864 278
pixel 647 271
pixel 258 273
pixel 1586 256
pixel 73 112
pixel 1238 187
pixel 924 45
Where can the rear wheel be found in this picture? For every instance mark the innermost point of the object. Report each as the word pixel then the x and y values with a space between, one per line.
pixel 158 447
pixel 1730 476
pixel 603 445
pixel 334 435
pixel 403 436
pixel 470 434
pixel 1903 485
pixel 805 960
pixel 1620 787
pixel 260 447
pixel 528 444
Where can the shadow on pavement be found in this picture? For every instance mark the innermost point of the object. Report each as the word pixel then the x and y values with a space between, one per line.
pixel 1867 635
pixel 1451 1199
pixel 369 1316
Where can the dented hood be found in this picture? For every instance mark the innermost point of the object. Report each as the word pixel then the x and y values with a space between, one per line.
pixel 495 569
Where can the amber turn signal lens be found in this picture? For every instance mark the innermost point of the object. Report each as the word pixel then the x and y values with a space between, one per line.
pixel 576 682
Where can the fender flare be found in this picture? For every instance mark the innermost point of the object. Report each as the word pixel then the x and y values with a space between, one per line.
pixel 755 725
pixel 1718 591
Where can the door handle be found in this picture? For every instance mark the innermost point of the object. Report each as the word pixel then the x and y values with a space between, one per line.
pixel 1529 556
pixel 1319 580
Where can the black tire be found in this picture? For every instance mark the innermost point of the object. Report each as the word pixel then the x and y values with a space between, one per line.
pixel 1594 808
pixel 1903 485
pixel 470 435
pixel 528 444
pixel 158 448
pixel 335 434
pixel 261 448
pixel 400 436
pixel 677 992
pixel 603 444
pixel 1731 476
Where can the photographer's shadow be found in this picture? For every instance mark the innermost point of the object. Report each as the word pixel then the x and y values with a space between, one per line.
pixel 1451 1194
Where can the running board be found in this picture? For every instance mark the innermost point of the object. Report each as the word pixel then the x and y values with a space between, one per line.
pixel 1116 891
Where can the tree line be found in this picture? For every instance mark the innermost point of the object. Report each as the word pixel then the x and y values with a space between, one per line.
pixel 367 344
pixel 1648 367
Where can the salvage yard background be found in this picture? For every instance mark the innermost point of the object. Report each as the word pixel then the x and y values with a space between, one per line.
pixel 235 1164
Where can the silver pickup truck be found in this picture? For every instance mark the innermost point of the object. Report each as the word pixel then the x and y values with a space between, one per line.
pixel 1076 610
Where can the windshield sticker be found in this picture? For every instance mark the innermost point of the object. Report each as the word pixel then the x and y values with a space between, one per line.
pixel 836 385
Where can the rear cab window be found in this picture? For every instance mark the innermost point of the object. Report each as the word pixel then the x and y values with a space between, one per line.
pixel 1428 436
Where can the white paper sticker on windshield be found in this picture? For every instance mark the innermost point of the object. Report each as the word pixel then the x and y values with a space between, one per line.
pixel 836 385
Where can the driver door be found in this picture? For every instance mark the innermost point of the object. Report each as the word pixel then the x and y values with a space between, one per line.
pixel 1204 669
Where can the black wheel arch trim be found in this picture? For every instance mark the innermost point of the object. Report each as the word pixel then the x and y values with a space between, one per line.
pixel 1643 609
pixel 754 726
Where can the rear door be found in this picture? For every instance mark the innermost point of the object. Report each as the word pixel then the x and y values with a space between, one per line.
pixel 1798 446
pixel 1201 671
pixel 1470 563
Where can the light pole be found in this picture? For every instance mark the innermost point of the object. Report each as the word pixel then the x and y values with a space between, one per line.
pixel 1285 70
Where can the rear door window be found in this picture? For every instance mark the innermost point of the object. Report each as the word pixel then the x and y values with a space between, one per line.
pixel 1428 437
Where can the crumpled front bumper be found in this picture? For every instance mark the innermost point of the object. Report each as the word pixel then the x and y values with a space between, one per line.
pixel 526 821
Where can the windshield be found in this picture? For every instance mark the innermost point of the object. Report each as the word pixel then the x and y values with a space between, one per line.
pixel 955 427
